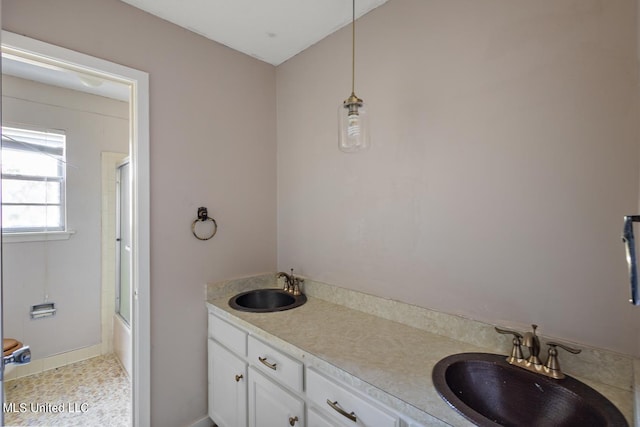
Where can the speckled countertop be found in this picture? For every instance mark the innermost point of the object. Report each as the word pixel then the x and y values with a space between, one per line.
pixel 388 360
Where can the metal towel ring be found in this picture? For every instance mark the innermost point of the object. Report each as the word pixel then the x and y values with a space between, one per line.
pixel 203 216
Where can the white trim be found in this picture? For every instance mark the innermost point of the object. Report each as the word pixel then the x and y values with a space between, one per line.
pixel 138 82
pixel 202 422
pixel 636 387
pixel 37 366
pixel 37 236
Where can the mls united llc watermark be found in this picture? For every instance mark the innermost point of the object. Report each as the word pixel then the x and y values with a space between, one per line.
pixel 35 407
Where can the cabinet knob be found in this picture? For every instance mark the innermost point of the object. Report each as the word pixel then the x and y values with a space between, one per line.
pixel 239 377
pixel 292 420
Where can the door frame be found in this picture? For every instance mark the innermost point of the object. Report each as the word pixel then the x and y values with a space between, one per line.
pixel 138 82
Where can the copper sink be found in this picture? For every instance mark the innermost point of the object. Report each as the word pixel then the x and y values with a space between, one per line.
pixel 488 391
pixel 266 300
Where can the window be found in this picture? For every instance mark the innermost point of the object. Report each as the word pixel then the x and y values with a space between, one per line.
pixel 33 181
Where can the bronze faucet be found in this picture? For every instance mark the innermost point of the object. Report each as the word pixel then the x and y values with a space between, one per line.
pixel 291 283
pixel 551 367
pixel 287 279
pixel 532 342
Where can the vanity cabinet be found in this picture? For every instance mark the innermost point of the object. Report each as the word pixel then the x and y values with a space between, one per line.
pixel 254 384
pixel 250 382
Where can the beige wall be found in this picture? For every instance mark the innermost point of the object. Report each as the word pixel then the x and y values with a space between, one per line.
pixel 213 143
pixel 504 156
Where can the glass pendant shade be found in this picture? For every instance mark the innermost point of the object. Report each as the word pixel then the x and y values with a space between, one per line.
pixel 353 125
pixel 353 122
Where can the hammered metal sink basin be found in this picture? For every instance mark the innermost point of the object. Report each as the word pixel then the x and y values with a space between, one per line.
pixel 488 391
pixel 266 300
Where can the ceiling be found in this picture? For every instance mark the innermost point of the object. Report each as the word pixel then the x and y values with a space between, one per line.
pixel 61 77
pixel 270 30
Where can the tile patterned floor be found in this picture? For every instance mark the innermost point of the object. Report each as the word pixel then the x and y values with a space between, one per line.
pixel 94 392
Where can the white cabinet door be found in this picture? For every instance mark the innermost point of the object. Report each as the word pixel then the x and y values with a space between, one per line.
pixel 272 406
pixel 227 387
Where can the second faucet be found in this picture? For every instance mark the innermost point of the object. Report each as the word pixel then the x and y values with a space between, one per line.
pixel 551 368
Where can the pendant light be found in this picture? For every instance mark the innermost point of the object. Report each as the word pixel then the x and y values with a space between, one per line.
pixel 353 132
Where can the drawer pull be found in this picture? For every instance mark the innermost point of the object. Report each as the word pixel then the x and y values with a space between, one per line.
pixel 338 409
pixel 239 377
pixel 292 420
pixel 267 364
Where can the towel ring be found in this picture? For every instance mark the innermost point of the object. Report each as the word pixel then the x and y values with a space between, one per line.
pixel 203 216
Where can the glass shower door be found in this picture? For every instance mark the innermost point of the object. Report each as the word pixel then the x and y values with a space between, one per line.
pixel 123 244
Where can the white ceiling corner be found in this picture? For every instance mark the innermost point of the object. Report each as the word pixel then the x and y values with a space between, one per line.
pixel 270 30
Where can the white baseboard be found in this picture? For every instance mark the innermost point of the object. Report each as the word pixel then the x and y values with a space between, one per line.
pixel 202 422
pixel 52 362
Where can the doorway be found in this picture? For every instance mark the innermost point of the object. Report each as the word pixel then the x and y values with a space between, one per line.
pixel 93 69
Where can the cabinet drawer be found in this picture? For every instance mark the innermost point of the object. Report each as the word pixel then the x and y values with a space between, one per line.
pixel 314 419
pixel 339 403
pixel 225 333
pixel 274 363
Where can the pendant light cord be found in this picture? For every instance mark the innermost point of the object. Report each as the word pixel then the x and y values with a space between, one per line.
pixel 353 49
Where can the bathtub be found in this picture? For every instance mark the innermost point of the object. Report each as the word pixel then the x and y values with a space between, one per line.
pixel 122 343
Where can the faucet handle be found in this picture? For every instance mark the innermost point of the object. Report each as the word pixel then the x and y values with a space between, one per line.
pixel 296 287
pixel 507 332
pixel 552 360
pixel 516 350
pixel 569 349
